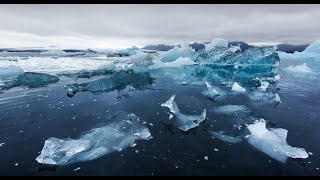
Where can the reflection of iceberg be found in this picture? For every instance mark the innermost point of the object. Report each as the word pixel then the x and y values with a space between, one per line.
pixel 312 52
pixel 119 80
pixel 273 142
pixel 184 122
pixel 303 68
pixel 10 72
pixel 121 131
pixel 213 92
pixel 231 109
pixel 226 138
pixel 31 80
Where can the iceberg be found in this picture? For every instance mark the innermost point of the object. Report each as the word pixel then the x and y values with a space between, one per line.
pixel 273 142
pixel 237 87
pixel 118 81
pixel 10 72
pixel 30 80
pixel 173 54
pixel 218 42
pixel 231 109
pixel 116 134
pixel 312 52
pixel 183 122
pixel 303 68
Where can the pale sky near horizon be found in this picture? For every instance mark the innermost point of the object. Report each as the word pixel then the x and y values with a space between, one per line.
pixel 121 26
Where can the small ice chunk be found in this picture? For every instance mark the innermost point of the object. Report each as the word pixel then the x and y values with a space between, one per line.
pixel 310 153
pixel 16 164
pixel 273 142
pixel 264 85
pixel 212 92
pixel 137 151
pixel 206 158
pixel 277 98
pixel 303 68
pixel 151 124
pixel 237 87
pixel 1 144
pixel 184 122
pixel 215 149
pixel 77 169
pixel 170 116
pixel 133 144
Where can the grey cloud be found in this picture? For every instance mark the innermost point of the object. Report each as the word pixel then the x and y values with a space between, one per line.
pixel 167 23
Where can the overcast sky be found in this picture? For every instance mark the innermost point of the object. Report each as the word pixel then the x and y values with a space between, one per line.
pixel 120 26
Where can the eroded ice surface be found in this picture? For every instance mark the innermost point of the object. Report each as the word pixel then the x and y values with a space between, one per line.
pixel 273 142
pixel 183 121
pixel 119 132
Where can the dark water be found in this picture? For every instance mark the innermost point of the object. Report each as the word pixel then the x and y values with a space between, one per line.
pixel 30 116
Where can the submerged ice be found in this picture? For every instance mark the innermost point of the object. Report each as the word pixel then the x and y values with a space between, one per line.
pixel 303 68
pixel 116 134
pixel 183 121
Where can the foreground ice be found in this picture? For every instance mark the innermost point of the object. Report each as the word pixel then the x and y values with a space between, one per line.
pixel 230 109
pixel 10 72
pixel 312 52
pixel 118 81
pixel 303 68
pixel 118 133
pixel 184 122
pixel 30 80
pixel 273 142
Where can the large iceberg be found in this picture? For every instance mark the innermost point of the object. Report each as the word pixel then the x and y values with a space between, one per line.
pixel 30 80
pixel 312 52
pixel 183 121
pixel 273 142
pixel 218 42
pixel 118 81
pixel 120 131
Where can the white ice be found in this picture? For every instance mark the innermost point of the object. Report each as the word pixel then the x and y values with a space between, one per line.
pixel 123 130
pixel 237 87
pixel 303 68
pixel 273 142
pixel 184 122
pixel 218 42
pixel 184 51
pixel 177 63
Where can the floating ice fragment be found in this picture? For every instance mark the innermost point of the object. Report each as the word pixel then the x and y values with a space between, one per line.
pixel 77 169
pixel 303 68
pixel 215 149
pixel 184 122
pixel 206 158
pixel 273 142
pixel 237 87
pixel 10 72
pixel 95 143
pixel 1 144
